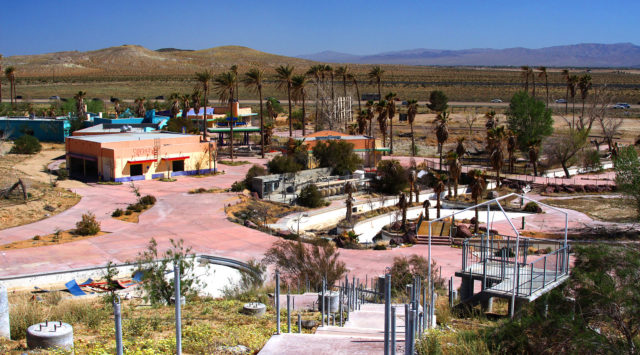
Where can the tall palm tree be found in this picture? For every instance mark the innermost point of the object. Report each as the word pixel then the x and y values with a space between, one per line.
pixel 375 76
pixel 343 71
pixel 370 115
pixel 525 74
pixel 584 84
pixel 461 150
pixel 362 122
pixel 140 109
pixel 354 80
pixel 497 154
pixel 9 72
pixel 316 72
pixel 565 75
pixel 533 156
pixel 284 74
pixel 543 74
pixel 390 97
pixel 225 84
pixel 455 170
pixel 382 109
pixel 412 110
pixel 116 107
pixel 573 85
pixel 253 79
pixel 511 148
pixel 234 70
pixel 81 111
pixel 298 87
pixel 442 132
pixel 174 99
pixel 412 184
pixel 438 189
pixel 196 101
pixel 185 105
pixel 477 188
pixel 204 78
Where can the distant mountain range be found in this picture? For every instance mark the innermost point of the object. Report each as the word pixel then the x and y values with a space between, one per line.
pixel 577 55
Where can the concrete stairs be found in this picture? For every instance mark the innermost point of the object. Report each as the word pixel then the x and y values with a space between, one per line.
pixel 363 333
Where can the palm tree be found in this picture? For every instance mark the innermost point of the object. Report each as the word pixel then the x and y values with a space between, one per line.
pixel 343 71
pixel 391 113
pixel 354 79
pixel 362 121
pixel 573 85
pixel 455 170
pixel 412 184
pixel 565 75
pixel 116 107
pixel 253 79
pixel 584 84
pixel 497 153
pixel 412 110
pixel 375 75
pixel 438 189
pixel 185 105
pixel 533 156
pixel 196 101
pixel 234 70
pixel 225 84
pixel 382 109
pixel 299 83
pixel 442 131
pixel 79 97
pixel 543 74
pixel 461 150
pixel 9 72
pixel 316 72
pixel 511 148
pixel 174 99
pixel 204 78
pixel 284 74
pixel 426 204
pixel 370 116
pixel 477 188
pixel 525 74
pixel 140 109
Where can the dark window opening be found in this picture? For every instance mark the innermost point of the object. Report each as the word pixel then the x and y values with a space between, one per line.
pixel 177 165
pixel 135 169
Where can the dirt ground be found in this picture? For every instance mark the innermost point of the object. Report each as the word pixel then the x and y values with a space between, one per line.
pixel 42 194
pixel 609 209
pixel 51 239
pixel 257 210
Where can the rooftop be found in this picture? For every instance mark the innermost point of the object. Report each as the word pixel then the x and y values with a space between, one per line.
pixel 124 137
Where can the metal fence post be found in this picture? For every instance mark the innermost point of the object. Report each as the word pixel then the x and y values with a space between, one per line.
pixel 299 323
pixel 388 315
pixel 288 313
pixel 322 305
pixel 117 315
pixel 176 283
pixel 407 333
pixel 277 302
pixel 393 330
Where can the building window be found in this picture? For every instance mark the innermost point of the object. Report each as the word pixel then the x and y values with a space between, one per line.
pixel 177 165
pixel 135 169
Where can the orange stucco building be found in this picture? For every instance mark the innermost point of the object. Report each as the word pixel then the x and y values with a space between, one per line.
pixel 138 156
pixel 364 146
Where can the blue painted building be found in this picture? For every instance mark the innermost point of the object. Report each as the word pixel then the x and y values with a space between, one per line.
pixel 45 129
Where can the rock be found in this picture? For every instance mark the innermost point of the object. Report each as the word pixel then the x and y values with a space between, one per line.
pixel 49 208
pixel 590 188
pixel 248 223
pixel 462 231
pixel 238 349
pixel 473 220
pixel 492 195
pixel 570 189
pixel 255 195
pixel 578 188
pixel 549 189
pixel 308 323
pixel 340 241
pixel 396 241
pixel 396 226
pixel 410 237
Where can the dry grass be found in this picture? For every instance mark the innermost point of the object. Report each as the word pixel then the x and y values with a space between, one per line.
pixel 258 210
pixel 50 239
pixel 609 209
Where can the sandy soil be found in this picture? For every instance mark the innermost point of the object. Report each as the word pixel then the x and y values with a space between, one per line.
pixel 600 208
pixel 50 239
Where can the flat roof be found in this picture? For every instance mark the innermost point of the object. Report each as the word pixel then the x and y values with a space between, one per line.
pixel 111 138
pixel 235 129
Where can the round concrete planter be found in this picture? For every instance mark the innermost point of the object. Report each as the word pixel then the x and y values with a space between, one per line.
pixel 254 309
pixel 331 299
pixel 50 335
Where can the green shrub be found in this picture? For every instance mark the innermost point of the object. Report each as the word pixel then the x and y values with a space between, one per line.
pixel 88 225
pixel 117 213
pixel 338 155
pixel 128 212
pixel 26 144
pixel 148 200
pixel 135 207
pixel 379 247
pixel 256 170
pixel 63 174
pixel 283 164
pixel 532 207
pixel 238 186
pixel 392 177
pixel 310 197
pixel 591 160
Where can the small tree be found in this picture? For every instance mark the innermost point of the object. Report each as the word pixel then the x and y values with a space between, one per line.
pixel 254 171
pixel 392 177
pixel 299 262
pixel 438 101
pixel 26 144
pixel 627 168
pixel 155 266
pixel 405 268
pixel 88 225
pixel 310 197
pixel 283 164
pixel 564 147
pixel 338 155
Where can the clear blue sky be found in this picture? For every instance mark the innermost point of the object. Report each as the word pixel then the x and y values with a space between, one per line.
pixel 301 27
